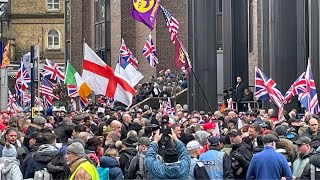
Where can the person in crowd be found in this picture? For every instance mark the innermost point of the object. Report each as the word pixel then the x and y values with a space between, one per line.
pixel 37 125
pixel 80 167
pixel 269 164
pixel 252 139
pixel 45 154
pixel 312 169
pixel 109 168
pixel 9 164
pixel 313 133
pixel 77 130
pixel 127 152
pixel 247 96
pixel 11 137
pixel 197 168
pixel 217 163
pixel 241 154
pixel 126 125
pixel 176 160
pixel 177 130
pixel 137 169
pixel 305 151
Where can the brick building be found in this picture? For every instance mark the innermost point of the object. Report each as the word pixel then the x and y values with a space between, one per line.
pixel 33 20
pixel 102 23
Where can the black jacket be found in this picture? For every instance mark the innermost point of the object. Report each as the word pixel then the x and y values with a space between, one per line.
pixel 126 155
pixel 40 159
pixel 241 155
pixel 239 91
pixel 315 139
pixel 124 130
pixel 313 160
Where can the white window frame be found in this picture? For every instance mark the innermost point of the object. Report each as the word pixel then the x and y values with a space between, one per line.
pixel 52 45
pixel 53 4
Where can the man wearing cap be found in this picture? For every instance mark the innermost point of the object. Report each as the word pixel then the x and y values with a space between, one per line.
pixel 176 160
pixel 241 154
pixel 80 167
pixel 197 168
pixel 126 154
pixel 305 151
pixel 137 166
pixel 269 164
pixel 217 163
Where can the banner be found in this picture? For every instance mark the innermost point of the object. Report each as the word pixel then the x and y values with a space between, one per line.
pixel 145 11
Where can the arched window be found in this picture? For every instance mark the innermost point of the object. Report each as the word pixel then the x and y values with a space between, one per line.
pixel 53 39
pixel 53 4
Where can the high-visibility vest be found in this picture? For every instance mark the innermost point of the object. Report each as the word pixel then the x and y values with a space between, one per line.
pixel 89 168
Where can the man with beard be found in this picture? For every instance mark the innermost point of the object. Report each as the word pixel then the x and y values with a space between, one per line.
pixel 240 153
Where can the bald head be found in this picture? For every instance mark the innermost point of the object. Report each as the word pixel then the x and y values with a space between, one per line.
pixel 314 126
pixel 126 118
pixel 232 114
pixel 116 125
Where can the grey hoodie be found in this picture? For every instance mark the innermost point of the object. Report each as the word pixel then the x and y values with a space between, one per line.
pixel 11 169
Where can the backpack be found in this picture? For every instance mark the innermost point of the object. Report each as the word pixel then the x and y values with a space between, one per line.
pixel 103 173
pixel 42 175
pixel 126 168
pixel 142 173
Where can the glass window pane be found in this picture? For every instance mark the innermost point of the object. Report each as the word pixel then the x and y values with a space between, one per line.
pixel 49 6
pixel 56 1
pixel 56 6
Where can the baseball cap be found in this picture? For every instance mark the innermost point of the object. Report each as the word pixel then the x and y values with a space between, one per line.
pixel 143 141
pixel 303 140
pixel 213 141
pixel 236 132
pixel 193 145
pixel 269 138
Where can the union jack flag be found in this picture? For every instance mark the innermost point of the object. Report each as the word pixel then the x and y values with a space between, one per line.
pixel 298 87
pixel 46 88
pixel 172 24
pixel 309 99
pixel 23 79
pixel 149 52
pixel 72 90
pixel 52 71
pixel 127 55
pixel 266 89
pixel 168 109
pixel 83 103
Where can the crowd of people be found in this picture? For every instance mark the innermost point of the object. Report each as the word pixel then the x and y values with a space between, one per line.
pixel 166 85
pixel 143 143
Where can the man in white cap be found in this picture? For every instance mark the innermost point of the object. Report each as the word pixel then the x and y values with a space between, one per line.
pixel 80 166
pixel 197 169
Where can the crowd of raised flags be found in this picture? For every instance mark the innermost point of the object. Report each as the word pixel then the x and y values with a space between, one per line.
pixel 304 87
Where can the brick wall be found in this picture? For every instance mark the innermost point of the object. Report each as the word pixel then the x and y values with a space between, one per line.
pixel 165 49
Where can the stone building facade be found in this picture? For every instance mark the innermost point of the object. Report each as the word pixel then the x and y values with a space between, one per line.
pixel 33 21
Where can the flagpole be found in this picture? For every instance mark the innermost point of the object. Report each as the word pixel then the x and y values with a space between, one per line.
pixel 205 97
pixel 32 83
pixel 38 74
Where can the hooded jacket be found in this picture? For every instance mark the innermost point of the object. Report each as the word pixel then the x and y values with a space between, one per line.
pixel 10 169
pixel 41 158
pixel 315 139
pixel 113 165
pixel 158 170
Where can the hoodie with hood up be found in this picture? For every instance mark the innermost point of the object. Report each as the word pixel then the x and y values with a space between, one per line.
pixel 10 169
pixel 114 168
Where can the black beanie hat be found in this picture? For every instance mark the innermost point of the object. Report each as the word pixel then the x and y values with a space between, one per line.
pixel 170 155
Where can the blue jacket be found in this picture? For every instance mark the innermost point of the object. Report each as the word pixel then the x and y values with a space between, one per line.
pixel 113 165
pixel 158 170
pixel 268 164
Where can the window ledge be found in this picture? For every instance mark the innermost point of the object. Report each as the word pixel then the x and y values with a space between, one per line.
pixel 53 50
pixel 53 11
